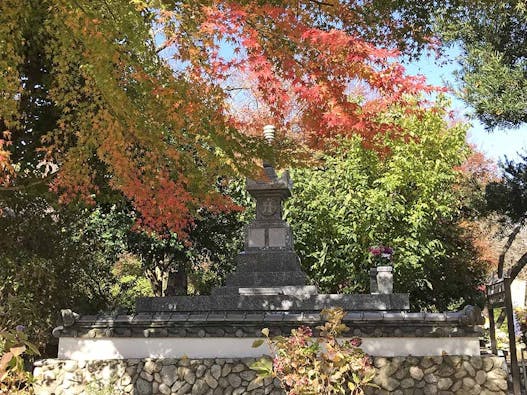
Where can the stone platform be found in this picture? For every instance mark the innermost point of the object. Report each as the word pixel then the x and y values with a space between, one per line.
pixel 255 302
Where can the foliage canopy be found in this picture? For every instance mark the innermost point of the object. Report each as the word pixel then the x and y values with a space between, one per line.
pixel 134 99
pixel 407 199
pixel 493 63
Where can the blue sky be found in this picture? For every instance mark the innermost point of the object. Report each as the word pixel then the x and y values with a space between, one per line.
pixel 496 144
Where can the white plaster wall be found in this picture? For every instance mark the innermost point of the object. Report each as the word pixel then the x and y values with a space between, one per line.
pixel 222 347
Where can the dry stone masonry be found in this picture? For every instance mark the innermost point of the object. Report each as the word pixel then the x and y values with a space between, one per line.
pixel 397 375
pixel 149 377
pixel 440 375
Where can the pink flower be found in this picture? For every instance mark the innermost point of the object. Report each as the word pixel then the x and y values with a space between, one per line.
pixel 305 331
pixel 356 342
pixel 387 250
pixel 382 251
pixel 278 365
pixel 366 360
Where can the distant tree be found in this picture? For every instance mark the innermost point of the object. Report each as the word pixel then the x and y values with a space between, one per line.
pixel 407 198
pixel 171 266
pixel 493 75
pixel 508 199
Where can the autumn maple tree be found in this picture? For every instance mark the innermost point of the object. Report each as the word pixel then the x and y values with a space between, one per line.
pixel 138 98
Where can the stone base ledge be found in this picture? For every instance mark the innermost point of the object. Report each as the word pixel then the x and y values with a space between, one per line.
pixel 412 375
pixel 280 323
pixel 260 303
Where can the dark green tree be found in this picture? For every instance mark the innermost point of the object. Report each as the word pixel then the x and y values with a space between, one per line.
pixel 44 266
pixel 493 39
pixel 171 265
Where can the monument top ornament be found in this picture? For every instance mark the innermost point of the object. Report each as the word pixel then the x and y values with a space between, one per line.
pixel 269 230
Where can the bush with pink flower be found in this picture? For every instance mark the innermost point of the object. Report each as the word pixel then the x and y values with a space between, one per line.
pixel 305 364
pixel 381 255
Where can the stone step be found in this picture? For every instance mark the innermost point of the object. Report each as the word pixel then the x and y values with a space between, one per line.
pixel 301 290
pixel 265 279
pixel 280 261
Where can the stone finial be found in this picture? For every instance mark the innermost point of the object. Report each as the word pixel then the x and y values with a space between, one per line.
pixel 268 132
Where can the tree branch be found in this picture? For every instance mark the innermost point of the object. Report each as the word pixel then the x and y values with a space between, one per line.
pixel 321 3
pixel 162 47
pixel 22 187
pixel 518 266
pixel 507 246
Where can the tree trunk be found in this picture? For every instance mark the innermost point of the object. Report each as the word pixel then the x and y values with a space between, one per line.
pixel 177 282
pixel 156 281
pixel 518 266
pixel 505 249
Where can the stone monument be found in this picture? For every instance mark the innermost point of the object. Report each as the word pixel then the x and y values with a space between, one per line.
pixel 268 289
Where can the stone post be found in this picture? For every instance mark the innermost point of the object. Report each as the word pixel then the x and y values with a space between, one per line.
pixel 373 281
pixel 384 279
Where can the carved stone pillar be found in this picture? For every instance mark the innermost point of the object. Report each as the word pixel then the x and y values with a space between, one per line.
pixel 269 230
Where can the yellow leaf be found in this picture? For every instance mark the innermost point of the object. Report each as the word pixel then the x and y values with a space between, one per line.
pixel 17 350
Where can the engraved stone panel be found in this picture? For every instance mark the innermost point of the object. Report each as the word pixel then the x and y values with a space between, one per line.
pixel 268 207
pixel 277 237
pixel 256 237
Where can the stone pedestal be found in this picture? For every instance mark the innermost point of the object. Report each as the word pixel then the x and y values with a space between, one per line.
pixel 373 281
pixel 269 264
pixel 385 279
pixel 381 280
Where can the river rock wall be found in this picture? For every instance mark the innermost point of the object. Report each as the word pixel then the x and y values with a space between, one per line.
pixel 396 375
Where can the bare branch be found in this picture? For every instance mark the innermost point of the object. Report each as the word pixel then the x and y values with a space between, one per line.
pixel 507 246
pixel 241 88
pixel 162 47
pixel 518 266
pixel 25 186
pixel 321 3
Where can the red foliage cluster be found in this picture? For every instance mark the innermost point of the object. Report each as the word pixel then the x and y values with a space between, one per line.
pixel 301 75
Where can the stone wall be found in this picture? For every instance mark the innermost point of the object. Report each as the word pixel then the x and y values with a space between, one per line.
pixel 151 376
pixel 440 375
pixel 397 375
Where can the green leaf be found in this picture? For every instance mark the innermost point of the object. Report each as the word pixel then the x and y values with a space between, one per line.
pixel 263 367
pixel 258 343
